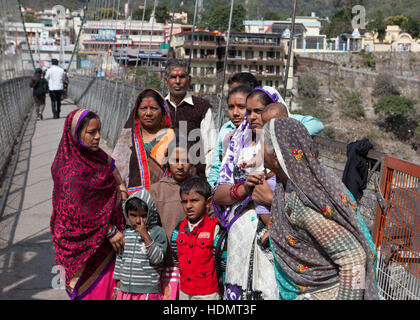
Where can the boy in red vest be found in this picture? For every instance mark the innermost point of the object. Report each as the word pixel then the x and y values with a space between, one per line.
pixel 198 244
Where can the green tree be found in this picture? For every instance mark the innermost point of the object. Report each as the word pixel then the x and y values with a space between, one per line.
pixel 29 17
pixel 271 15
pixel 219 18
pixel 396 20
pixel 378 25
pixel 397 114
pixel 340 23
pixel 138 14
pixel 412 26
pixel 161 14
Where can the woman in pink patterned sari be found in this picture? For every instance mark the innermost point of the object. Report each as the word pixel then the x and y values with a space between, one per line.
pixel 87 220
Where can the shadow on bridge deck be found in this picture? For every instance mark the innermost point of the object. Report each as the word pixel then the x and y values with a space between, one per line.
pixel 26 250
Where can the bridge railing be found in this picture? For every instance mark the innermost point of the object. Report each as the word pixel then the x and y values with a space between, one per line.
pixel 111 100
pixel 16 101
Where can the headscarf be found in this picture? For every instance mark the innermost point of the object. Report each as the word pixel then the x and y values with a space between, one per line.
pixel 84 199
pixel 241 139
pixel 152 214
pixel 130 153
pixel 321 190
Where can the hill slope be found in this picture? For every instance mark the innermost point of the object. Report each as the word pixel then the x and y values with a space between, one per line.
pixel 257 8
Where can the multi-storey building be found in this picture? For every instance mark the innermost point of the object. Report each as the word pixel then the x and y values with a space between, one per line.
pixel 125 40
pixel 206 58
pixel 46 42
pixel 261 54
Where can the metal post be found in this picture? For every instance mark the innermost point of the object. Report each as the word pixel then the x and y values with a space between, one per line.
pixel 26 35
pixel 192 37
pixel 220 110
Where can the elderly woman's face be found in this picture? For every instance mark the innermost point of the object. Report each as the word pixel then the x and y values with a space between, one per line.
pixel 149 113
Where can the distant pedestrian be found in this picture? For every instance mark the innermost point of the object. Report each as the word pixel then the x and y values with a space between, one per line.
pixel 65 85
pixel 55 77
pixel 138 267
pixel 40 89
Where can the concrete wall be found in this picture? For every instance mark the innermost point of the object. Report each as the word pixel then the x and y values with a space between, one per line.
pixel 330 67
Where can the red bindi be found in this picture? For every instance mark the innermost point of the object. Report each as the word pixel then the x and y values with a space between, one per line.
pixel 149 102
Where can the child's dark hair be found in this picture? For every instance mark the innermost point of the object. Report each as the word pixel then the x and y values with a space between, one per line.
pixel 196 184
pixel 135 204
pixel 243 88
pixel 243 77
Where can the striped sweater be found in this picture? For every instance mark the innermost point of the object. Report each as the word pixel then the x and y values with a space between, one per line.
pixel 137 268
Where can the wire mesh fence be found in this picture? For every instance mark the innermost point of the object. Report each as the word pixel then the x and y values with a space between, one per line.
pixel 16 101
pixel 15 67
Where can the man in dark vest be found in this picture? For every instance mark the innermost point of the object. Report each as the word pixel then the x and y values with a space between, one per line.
pixel 190 113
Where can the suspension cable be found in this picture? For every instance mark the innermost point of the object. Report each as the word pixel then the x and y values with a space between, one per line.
pixel 162 85
pixel 220 110
pixel 26 34
pixel 286 75
pixel 139 46
pixel 76 45
pixel 150 43
pixel 192 38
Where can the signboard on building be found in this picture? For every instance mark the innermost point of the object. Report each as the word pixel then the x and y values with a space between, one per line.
pixel 150 54
pixel 85 64
pixel 105 35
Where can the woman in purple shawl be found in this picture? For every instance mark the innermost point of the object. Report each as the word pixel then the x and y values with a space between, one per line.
pixel 249 270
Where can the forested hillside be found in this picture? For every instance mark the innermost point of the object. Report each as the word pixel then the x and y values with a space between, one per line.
pixel 261 8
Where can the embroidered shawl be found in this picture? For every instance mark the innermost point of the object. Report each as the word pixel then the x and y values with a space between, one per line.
pixel 321 190
pixel 85 198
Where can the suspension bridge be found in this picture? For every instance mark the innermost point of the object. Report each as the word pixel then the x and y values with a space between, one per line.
pixel 390 205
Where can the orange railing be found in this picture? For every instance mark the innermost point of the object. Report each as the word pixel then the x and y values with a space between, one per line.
pixel 397 230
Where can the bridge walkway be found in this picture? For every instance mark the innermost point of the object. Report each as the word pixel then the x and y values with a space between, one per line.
pixel 26 250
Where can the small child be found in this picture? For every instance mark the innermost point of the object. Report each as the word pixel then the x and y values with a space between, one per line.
pixel 198 243
pixel 138 267
pixel 168 203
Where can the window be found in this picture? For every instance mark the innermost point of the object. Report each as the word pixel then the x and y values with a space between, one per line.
pixel 249 54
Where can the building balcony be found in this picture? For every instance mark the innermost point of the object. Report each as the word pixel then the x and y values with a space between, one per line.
pixel 254 44
pixel 255 59
pixel 207 44
pixel 197 57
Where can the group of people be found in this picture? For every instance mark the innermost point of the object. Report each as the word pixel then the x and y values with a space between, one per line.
pixel 244 213
pixel 53 81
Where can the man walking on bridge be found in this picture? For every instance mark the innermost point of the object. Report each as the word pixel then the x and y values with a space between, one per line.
pixel 55 77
